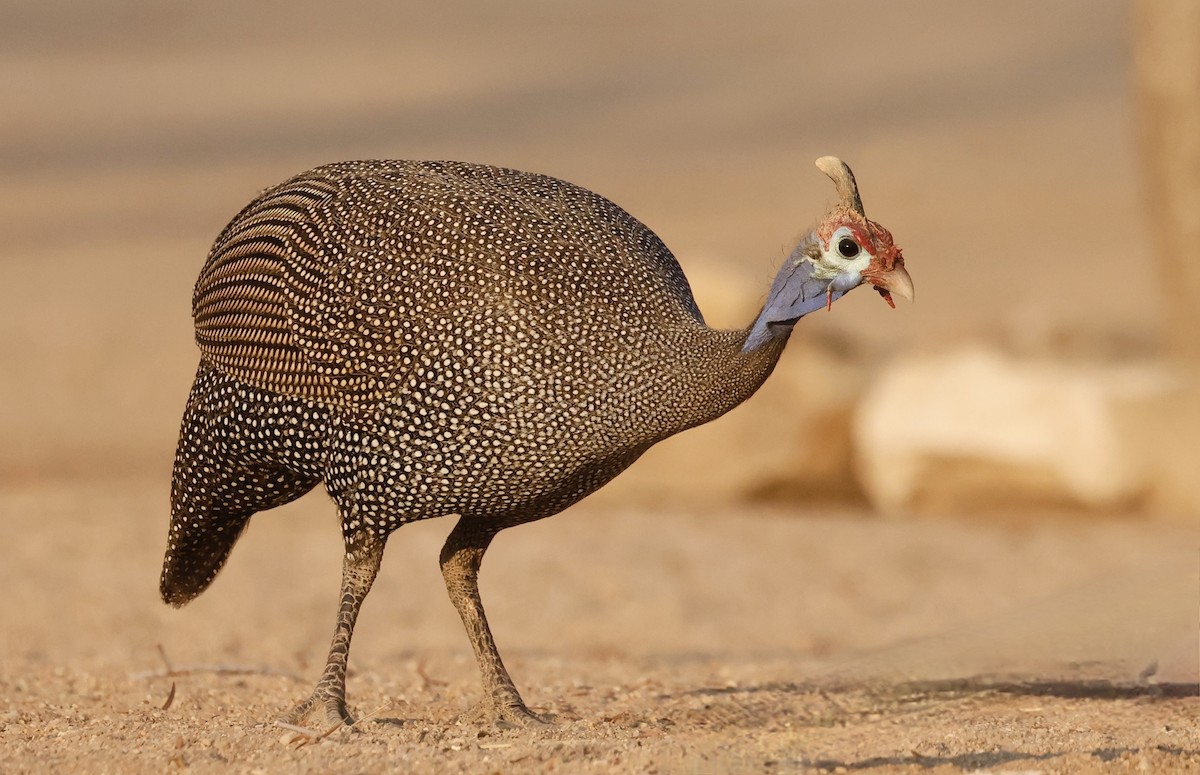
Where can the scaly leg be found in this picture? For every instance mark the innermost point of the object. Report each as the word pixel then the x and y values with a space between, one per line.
pixel 359 569
pixel 460 560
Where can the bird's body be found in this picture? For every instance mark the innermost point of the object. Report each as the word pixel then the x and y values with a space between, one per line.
pixel 433 339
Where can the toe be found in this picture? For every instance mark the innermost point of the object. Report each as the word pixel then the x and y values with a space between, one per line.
pixel 519 716
pixel 319 711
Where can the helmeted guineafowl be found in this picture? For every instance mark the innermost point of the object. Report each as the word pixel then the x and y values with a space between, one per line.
pixel 440 338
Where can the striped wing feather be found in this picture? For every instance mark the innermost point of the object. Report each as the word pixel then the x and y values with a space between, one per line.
pixel 325 286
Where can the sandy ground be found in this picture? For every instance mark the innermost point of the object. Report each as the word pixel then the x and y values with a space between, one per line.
pixel 729 640
pixel 669 624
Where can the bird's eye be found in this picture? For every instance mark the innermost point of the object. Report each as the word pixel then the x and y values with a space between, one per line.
pixel 847 247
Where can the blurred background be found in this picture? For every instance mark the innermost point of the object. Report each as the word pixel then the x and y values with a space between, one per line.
pixel 997 142
pixel 1037 162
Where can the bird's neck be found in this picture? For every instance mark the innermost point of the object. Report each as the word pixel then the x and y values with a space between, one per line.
pixel 801 286
pixel 722 372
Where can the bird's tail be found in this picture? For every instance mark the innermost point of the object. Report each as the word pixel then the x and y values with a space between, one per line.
pixel 215 489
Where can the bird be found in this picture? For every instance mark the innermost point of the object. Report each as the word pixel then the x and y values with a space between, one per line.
pixel 437 338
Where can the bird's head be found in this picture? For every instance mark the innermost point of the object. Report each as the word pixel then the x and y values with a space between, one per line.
pixel 845 250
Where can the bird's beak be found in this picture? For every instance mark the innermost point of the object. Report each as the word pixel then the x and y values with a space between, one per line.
pixel 895 280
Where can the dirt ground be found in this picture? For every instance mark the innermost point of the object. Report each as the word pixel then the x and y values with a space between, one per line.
pixel 671 623
pixel 728 640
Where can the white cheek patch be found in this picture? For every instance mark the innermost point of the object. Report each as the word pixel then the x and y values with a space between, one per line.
pixel 848 279
pixel 845 273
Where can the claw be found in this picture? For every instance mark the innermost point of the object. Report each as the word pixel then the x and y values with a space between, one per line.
pixel 520 716
pixel 335 713
pixel 504 716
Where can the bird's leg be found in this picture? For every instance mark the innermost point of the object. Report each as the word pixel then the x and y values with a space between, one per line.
pixel 460 560
pixel 359 569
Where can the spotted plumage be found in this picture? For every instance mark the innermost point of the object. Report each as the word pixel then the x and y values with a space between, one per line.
pixel 432 339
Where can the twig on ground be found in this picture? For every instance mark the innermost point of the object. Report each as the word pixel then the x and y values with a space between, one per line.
pixel 426 680
pixel 305 736
pixel 170 698
pixel 215 670
pixel 170 671
pixel 162 653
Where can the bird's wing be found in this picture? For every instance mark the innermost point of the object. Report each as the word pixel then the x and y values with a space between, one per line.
pixel 341 282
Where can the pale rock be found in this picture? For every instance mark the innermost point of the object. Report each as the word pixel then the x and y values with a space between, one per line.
pixel 976 429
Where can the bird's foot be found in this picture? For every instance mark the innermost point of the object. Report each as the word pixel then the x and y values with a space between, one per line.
pixel 518 717
pixel 321 712
pixel 504 715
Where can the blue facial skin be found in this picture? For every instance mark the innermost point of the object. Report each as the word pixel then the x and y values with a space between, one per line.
pixel 795 293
